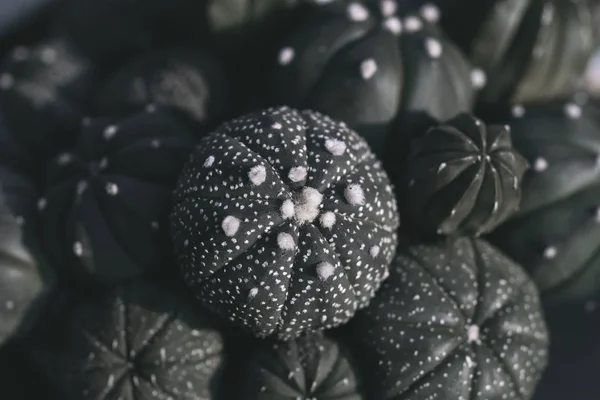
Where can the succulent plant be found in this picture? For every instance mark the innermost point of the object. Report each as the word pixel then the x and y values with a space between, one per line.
pixel 43 92
pixel 185 80
pixel 105 203
pixel 530 50
pixel 556 233
pixel 371 64
pixel 284 222
pixel 455 320
pixel 462 177
pixel 312 366
pixel 136 340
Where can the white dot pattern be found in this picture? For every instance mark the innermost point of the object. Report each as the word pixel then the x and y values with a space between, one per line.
pixel 457 320
pixel 291 299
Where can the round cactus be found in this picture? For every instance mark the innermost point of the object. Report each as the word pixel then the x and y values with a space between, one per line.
pixel 284 222
pixel 462 177
pixel 370 64
pixel 105 204
pixel 312 366
pixel 455 320
pixel 136 340
pixel 187 81
pixel 556 234
pixel 530 50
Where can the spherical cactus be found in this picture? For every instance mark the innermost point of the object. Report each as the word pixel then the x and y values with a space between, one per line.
pixel 43 92
pixel 530 50
pixel 455 320
pixel 284 222
pixel 371 64
pixel 556 233
pixel 187 81
pixel 105 203
pixel 462 177
pixel 308 367
pixel 137 340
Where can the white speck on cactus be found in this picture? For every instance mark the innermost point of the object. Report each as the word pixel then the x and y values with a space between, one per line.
pixel 111 381
pixel 540 164
pixel 518 111
pixel 393 24
pixel 150 108
pixel 325 270
pixel 335 146
pixel 186 243
pixel 430 13
pixel 388 7
pixel 286 55
pixel 413 24
pixel 210 160
pixel 441 167
pixel 285 241
pixel 327 219
pixel 572 110
pixel 287 209
pixel 154 225
pixel 41 203
pixel 155 143
pixel 230 225
pixel 368 68
pixel 357 12
pixel 297 174
pixel 257 174
pixel 6 81
pixel 110 132
pixel 374 251
pixel 78 249
pixel 276 125
pixel 478 78
pixel 470 362
pixel 354 194
pixel 547 14
pixel 550 252
pixel 252 293
pixel 433 47
pixel 473 334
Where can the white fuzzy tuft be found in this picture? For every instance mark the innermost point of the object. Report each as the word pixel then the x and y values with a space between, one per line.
pixel 478 78
pixel 335 146
pixel 388 7
pixel 286 55
pixel 210 160
pixel 473 334
pixel 430 13
pixel 374 251
pixel 252 293
pixel 285 241
pixel 287 209
pixel 230 225
pixel 112 189
pixel 110 132
pixel 325 270
pixel 518 111
pixel 434 48
pixel 307 205
pixel 297 174
pixel 393 25
pixel 78 249
pixel 572 110
pixel 257 174
pixel 357 12
pixel 368 68
pixel 413 24
pixel 328 219
pixel 354 194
